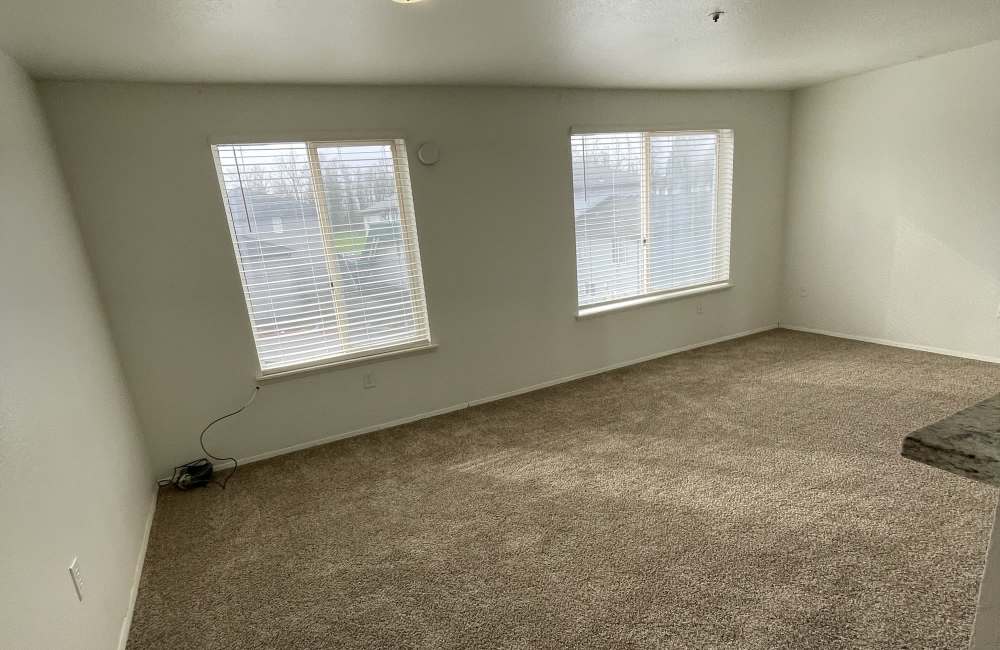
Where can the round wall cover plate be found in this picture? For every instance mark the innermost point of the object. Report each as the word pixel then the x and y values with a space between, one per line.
pixel 428 153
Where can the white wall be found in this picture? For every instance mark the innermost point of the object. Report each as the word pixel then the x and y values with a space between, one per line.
pixel 74 476
pixel 495 221
pixel 893 223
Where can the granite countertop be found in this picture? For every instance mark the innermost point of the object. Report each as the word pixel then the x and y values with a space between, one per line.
pixel 967 443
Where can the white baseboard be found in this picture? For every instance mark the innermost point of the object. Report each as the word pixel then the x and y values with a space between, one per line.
pixel 895 344
pixel 484 400
pixel 624 364
pixel 127 621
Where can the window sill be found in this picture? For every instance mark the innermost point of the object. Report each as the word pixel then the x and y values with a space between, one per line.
pixel 590 312
pixel 345 363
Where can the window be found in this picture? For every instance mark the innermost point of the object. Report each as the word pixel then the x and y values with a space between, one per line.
pixel 652 215
pixel 326 245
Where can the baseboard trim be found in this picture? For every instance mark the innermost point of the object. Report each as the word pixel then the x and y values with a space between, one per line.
pixel 895 344
pixel 140 561
pixel 624 364
pixel 485 400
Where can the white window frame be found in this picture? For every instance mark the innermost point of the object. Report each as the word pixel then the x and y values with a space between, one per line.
pixel 410 238
pixel 649 297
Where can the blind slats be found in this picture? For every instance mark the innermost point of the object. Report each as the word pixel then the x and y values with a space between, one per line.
pixel 326 246
pixel 653 212
pixel 288 312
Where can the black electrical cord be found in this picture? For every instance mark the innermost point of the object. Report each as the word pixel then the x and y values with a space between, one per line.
pixel 201 438
pixel 178 471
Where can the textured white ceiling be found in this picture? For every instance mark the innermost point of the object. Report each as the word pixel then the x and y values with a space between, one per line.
pixel 588 43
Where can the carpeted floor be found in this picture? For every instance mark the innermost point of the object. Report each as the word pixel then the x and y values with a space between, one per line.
pixel 744 495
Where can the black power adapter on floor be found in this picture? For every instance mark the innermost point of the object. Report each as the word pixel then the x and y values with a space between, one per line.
pixel 197 473
pixel 200 472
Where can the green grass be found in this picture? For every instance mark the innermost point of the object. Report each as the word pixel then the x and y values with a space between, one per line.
pixel 349 242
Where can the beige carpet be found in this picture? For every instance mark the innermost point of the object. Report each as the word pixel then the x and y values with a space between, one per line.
pixel 745 495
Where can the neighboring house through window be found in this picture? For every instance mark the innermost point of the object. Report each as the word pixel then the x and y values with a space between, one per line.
pixel 652 212
pixel 326 244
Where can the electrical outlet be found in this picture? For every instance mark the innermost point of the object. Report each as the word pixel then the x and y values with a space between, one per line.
pixel 699 308
pixel 802 292
pixel 74 573
pixel 368 381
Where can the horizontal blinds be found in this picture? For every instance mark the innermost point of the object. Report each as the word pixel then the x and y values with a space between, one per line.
pixel 326 244
pixel 652 212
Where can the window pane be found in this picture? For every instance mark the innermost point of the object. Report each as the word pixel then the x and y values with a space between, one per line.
pixel 376 293
pixel 607 187
pixel 326 245
pixel 682 210
pixel 652 212
pixel 279 242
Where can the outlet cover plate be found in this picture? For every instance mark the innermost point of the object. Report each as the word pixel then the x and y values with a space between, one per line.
pixel 74 573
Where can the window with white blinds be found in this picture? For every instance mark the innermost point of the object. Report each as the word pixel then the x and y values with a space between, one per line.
pixel 652 214
pixel 326 244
